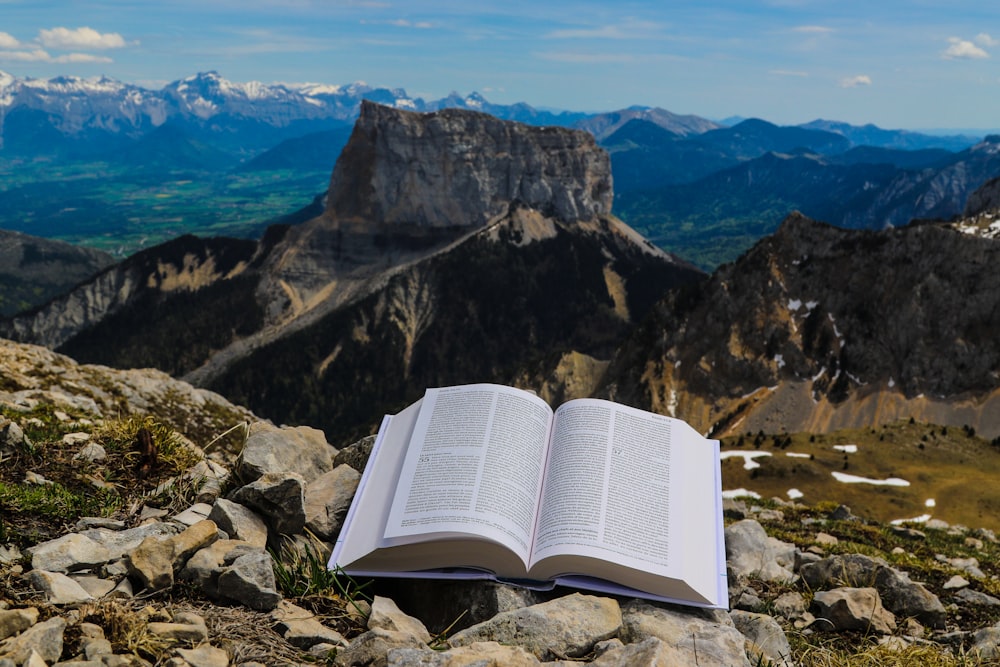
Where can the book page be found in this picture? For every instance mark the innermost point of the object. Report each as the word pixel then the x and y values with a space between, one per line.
pixel 474 467
pixel 609 491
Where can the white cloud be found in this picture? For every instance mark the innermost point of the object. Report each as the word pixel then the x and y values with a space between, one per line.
pixel 8 41
pixel 404 23
pixel 586 58
pixel 628 29
pixel 813 29
pixel 963 49
pixel 855 81
pixel 43 56
pixel 79 38
pixel 982 39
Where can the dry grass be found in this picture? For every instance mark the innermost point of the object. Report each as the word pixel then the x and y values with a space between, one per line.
pixel 951 466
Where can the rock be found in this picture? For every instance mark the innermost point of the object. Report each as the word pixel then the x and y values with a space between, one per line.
pixel 852 609
pixel 765 638
pixel 750 552
pixel 91 452
pixel 194 514
pixel 702 637
pixel 568 626
pixel 970 566
pixel 651 651
pixel 279 497
pixel 186 627
pixel 411 176
pixel 69 553
pixel 239 522
pixel 302 629
pixel 356 454
pixel 301 449
pixel 372 648
pixel 957 581
pixel 205 655
pixel 327 499
pixel 977 598
pixel 96 586
pixel 155 560
pixel 13 621
pixel 385 615
pixel 58 588
pixel 986 643
pixel 901 596
pixel 480 654
pixel 120 542
pixel 45 639
pixel 205 566
pixel 250 581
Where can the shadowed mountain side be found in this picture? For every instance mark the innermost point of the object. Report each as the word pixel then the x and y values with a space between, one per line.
pixel 33 270
pixel 818 327
pixel 507 302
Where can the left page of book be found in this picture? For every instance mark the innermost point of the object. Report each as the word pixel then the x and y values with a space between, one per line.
pixel 473 469
pixel 364 524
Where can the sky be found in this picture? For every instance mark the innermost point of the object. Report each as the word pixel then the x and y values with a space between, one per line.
pixel 914 64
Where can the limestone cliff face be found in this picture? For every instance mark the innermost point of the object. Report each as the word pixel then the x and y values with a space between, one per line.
pixel 823 326
pixel 461 169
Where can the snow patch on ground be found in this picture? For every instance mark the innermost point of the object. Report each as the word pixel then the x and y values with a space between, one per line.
pixel 748 458
pixel 740 493
pixel 854 479
pixel 847 449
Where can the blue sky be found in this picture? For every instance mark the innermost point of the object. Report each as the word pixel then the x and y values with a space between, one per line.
pixel 899 64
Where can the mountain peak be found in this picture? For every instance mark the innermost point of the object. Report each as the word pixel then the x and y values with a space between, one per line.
pixel 460 168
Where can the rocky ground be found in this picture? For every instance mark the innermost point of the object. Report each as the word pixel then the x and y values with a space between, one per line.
pixel 132 534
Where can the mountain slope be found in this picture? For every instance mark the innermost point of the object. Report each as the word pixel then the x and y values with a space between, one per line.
pixel 818 328
pixel 33 270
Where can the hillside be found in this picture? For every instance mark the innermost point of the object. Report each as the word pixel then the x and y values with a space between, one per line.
pixel 818 328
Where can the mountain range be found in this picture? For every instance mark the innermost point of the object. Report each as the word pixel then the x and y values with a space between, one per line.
pixel 120 167
pixel 455 247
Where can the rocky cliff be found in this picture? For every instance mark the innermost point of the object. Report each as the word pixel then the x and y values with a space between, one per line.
pixel 456 168
pixel 817 328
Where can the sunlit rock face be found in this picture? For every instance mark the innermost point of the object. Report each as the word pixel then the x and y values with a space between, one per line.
pixel 460 169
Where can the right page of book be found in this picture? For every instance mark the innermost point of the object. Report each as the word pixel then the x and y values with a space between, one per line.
pixel 631 493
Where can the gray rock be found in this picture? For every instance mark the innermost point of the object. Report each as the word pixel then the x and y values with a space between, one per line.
pixel 372 648
pixel 852 609
pixel 356 454
pixel 485 654
pixel 301 449
pixel 96 586
pixel 91 452
pixel 750 552
pixel 458 169
pixel 459 604
pixel 765 638
pixel 205 566
pixel 58 588
pixel 565 627
pixel 327 499
pixel 250 581
pixel 69 553
pixel 194 514
pixel 45 639
pixel 702 637
pixel 120 542
pixel 239 522
pixel 280 498
pixel 385 615
pixel 977 598
pixel 901 596
pixel 986 643
pixel 651 651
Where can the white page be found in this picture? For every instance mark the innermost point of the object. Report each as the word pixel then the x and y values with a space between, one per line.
pixel 474 466
pixel 616 466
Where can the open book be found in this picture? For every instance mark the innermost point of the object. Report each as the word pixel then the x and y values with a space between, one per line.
pixel 486 481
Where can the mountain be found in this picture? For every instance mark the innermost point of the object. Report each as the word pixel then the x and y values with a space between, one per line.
pixel 754 137
pixel 316 150
pixel 872 135
pixel 605 124
pixel 453 247
pixel 33 270
pixel 818 328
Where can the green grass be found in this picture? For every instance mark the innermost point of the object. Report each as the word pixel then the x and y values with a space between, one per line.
pixel 122 210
